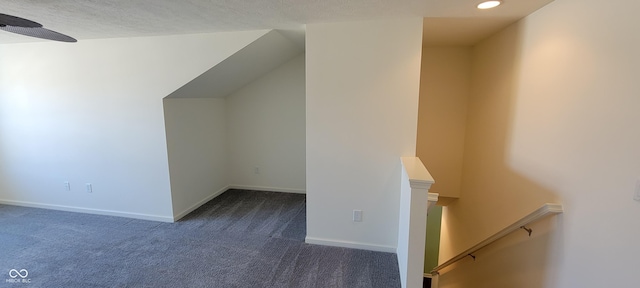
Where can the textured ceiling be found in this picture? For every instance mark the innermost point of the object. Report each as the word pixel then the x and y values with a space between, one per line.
pixel 91 19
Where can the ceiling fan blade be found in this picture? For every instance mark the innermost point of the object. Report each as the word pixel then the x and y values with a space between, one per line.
pixel 8 20
pixel 39 32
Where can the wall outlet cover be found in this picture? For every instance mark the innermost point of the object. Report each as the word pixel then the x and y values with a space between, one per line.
pixel 357 215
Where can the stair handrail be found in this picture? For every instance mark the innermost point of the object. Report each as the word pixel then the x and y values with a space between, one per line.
pixel 544 211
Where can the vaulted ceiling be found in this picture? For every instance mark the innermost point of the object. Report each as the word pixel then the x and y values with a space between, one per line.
pixel 92 19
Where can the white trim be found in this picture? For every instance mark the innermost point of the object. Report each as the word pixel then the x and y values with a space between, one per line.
pixel 88 210
pixel 419 177
pixel 268 189
pixel 432 199
pixel 177 217
pixel 350 244
pixel 226 188
pixel 435 281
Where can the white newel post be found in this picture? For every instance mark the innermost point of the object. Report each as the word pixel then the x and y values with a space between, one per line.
pixel 415 199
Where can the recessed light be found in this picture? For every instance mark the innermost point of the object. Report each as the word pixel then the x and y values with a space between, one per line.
pixel 489 4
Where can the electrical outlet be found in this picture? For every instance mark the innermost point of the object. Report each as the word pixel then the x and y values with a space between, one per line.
pixel 89 187
pixel 357 215
pixel 636 195
pixel 67 186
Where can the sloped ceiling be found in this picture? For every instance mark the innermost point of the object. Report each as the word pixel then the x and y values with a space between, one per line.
pixel 248 64
pixel 92 19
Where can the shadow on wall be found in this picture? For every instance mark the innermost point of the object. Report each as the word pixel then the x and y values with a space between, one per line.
pixel 493 193
pixel 23 115
pixel 4 176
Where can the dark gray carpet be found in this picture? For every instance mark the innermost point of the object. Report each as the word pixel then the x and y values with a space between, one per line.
pixel 239 239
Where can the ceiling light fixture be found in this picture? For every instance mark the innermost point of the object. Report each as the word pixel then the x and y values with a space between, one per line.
pixel 489 4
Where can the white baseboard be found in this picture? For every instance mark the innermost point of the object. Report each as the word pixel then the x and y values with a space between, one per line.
pixel 200 203
pixel 350 244
pixel 176 217
pixel 224 189
pixel 88 210
pixel 272 189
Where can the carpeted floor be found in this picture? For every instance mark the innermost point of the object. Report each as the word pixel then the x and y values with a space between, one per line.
pixel 239 239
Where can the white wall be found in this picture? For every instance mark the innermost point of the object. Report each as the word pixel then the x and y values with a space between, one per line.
pixel 362 100
pixel 215 143
pixel 198 159
pixel 91 112
pixel 553 117
pixel 266 129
